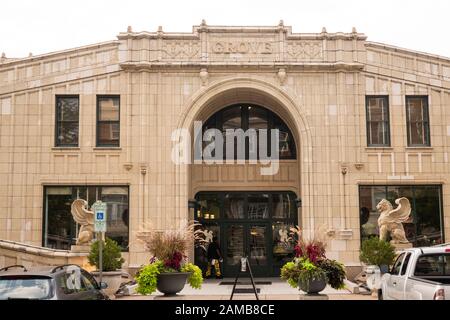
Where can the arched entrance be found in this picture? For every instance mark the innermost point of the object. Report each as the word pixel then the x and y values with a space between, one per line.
pixel 250 213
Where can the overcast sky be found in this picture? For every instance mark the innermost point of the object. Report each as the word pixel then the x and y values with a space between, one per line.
pixel 49 25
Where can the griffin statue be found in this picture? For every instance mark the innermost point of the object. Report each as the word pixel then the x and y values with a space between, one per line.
pixel 85 218
pixel 390 220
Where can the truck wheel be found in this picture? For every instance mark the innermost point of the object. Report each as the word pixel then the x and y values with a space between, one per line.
pixel 380 294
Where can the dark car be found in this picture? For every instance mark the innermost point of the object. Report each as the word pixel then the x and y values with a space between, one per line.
pixel 66 282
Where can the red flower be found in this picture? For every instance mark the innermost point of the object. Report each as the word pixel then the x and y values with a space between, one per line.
pixel 298 251
pixel 175 261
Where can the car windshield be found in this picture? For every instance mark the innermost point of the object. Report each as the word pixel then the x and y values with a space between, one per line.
pixel 19 287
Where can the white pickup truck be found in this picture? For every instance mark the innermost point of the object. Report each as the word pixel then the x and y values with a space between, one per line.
pixel 418 274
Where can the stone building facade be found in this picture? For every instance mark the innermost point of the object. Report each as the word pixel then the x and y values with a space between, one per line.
pixel 364 121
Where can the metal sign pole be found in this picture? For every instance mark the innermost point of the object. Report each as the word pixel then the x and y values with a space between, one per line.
pixel 100 255
pixel 100 227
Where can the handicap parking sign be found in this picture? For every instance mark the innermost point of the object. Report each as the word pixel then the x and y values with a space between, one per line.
pixel 99 208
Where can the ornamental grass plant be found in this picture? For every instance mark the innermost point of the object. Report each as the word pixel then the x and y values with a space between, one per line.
pixel 169 249
pixel 310 262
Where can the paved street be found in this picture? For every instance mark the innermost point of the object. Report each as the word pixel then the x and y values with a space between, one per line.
pixel 278 290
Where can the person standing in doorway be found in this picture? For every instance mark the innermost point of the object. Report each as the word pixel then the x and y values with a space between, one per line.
pixel 214 255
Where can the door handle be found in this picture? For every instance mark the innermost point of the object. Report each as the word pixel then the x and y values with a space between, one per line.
pixel 394 283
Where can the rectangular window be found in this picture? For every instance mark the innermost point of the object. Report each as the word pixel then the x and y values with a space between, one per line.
pixel 424 227
pixel 377 118
pixel 67 121
pixel 108 121
pixel 417 121
pixel 60 229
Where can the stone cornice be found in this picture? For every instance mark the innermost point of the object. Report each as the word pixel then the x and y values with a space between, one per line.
pixel 251 30
pixel 9 63
pixel 262 66
pixel 419 54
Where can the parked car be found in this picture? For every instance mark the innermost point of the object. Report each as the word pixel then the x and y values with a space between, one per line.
pixel 66 282
pixel 418 274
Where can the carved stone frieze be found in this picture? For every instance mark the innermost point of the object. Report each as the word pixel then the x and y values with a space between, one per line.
pixel 181 49
pixel 301 50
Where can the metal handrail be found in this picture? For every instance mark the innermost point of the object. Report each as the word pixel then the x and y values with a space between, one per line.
pixel 14 266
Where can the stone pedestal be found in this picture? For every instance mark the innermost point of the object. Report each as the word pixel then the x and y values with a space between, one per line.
pixel 401 246
pixel 80 249
pixel 314 297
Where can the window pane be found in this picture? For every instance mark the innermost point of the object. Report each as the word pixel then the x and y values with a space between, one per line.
pixel 67 109
pixel 423 228
pixel 283 206
pixel 257 118
pixel 108 109
pixel 231 118
pixel 428 217
pixel 117 211
pixel 377 109
pixel 377 121
pixel 67 133
pixel 287 145
pixel 258 206
pixel 369 197
pixel 109 133
pixel 61 229
pixel 417 121
pixel 416 109
pixel 234 206
pixel 378 133
pixel 209 206
pixel 417 134
pixel 283 248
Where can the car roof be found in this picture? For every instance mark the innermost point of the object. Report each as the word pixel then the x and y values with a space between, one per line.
pixel 49 271
pixel 435 249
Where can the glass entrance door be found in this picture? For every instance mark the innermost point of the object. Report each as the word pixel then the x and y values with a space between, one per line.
pixel 246 239
pixel 248 223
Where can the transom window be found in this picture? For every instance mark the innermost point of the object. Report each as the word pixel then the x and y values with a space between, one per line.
pixel 248 116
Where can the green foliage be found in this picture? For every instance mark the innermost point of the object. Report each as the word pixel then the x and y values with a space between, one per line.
pixel 147 277
pixel 290 272
pixel 112 256
pixel 335 272
pixel 377 252
pixel 303 270
pixel 195 280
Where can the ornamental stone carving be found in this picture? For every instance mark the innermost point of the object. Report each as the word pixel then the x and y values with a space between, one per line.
pixel 304 50
pixel 181 49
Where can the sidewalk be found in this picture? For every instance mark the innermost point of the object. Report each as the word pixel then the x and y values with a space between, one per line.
pixel 278 290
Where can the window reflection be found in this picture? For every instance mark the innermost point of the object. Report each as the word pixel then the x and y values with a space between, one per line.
pixel 60 230
pixel 252 117
pixel 423 228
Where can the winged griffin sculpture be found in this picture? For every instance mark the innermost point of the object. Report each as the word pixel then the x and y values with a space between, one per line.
pixel 85 218
pixel 390 220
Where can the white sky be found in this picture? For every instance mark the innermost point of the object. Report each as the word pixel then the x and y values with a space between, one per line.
pixel 49 25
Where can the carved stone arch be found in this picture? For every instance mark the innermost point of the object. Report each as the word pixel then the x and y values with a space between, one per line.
pixel 201 105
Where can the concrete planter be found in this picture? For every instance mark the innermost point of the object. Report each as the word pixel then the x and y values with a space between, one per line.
pixel 313 286
pixel 112 278
pixel 170 283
